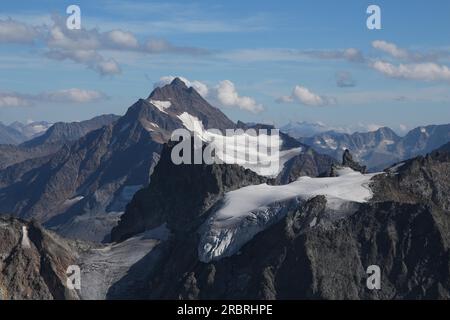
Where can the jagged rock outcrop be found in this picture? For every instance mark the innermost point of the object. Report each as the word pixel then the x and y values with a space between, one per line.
pixel 419 180
pixel 347 162
pixel 298 259
pixel 33 262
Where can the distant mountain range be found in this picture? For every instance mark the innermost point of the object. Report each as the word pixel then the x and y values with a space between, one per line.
pixel 18 132
pixel 303 129
pixel 383 147
pixel 50 140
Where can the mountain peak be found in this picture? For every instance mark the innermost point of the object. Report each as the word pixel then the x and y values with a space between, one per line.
pixel 178 83
pixel 180 98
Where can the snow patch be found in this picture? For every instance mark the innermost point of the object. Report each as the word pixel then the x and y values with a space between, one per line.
pixel 192 123
pixel 105 266
pixel 26 244
pixel 244 149
pixel 38 128
pixel 161 105
pixel 394 169
pixel 250 210
pixel 331 143
pixel 70 202
pixel 313 222
pixel 150 126
pixel 387 142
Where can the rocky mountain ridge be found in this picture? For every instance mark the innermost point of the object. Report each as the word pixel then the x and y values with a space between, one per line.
pixel 383 147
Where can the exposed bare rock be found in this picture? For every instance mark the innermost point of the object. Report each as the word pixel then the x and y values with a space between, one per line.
pixel 33 262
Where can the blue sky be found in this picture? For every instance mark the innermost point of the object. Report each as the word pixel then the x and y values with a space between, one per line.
pixel 267 61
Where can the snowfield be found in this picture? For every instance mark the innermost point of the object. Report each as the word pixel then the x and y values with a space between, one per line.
pixel 104 267
pixel 161 105
pixel 250 210
pixel 260 153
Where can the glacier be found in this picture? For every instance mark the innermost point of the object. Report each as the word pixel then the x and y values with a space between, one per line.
pixel 247 211
pixel 246 150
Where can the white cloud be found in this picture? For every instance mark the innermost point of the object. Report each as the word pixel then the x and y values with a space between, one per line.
pixel 87 46
pixel 90 58
pixel 391 49
pixel 307 97
pixel 16 32
pixel 107 67
pixel 73 95
pixel 12 100
pixel 122 39
pixel 403 127
pixel 407 55
pixel 224 93
pixel 373 126
pixel 286 54
pixel 415 71
pixel 229 97
pixel 200 87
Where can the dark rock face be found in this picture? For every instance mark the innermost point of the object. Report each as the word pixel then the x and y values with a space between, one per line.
pixel 308 163
pixel 13 154
pixel 37 268
pixel 308 255
pixel 294 261
pixel 419 180
pixel 180 195
pixel 63 132
pixel 347 161
pixel 51 141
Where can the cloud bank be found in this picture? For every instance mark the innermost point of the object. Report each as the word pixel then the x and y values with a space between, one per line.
pixel 306 97
pixel 224 93
pixel 86 46
pixel 72 95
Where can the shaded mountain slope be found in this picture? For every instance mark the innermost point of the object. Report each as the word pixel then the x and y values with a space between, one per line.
pixel 33 262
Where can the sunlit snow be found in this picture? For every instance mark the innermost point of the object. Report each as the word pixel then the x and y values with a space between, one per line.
pixel 161 105
pixel 249 210
pixel 259 153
